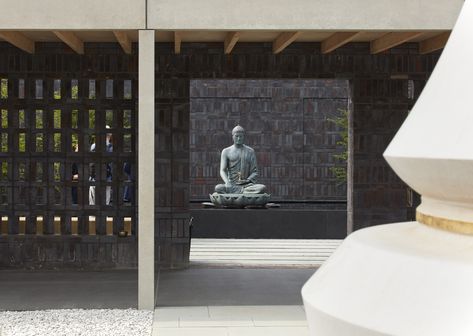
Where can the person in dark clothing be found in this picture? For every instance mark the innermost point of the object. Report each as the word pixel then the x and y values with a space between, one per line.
pixel 127 191
pixel 109 169
pixel 92 177
pixel 75 177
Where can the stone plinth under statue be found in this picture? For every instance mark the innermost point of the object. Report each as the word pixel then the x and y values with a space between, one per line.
pixel 239 172
pixel 239 200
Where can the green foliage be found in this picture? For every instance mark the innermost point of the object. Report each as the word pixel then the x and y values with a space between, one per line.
pixel 4 142
pixel 127 119
pixel 39 142
pixel 340 170
pixel 75 119
pixel 22 142
pixel 39 119
pixel 4 171
pixel 57 118
pixel 57 142
pixel 91 119
pixel 4 88
pixel 57 171
pixel 109 118
pixel 4 118
pixel 75 91
pixel 21 118
pixel 22 172
pixel 75 142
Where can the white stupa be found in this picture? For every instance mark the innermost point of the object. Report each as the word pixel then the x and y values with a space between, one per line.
pixel 414 278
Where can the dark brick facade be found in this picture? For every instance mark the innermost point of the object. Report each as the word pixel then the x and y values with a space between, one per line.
pixel 102 62
pixel 287 123
pixel 379 85
pixel 48 192
pixel 380 98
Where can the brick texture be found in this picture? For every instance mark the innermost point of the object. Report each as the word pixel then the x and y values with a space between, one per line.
pixel 379 91
pixel 286 123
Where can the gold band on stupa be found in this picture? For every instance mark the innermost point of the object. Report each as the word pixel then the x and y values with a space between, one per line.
pixel 451 225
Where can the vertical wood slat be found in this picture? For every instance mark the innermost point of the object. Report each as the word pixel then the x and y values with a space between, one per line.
pixel 74 226
pixel 39 181
pixel 92 226
pixel 22 225
pixel 109 227
pixel 57 225
pixel 4 225
pixel 127 225
pixel 39 225
pixel 41 172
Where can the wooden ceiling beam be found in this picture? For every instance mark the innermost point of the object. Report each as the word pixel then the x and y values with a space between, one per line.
pixel 124 40
pixel 18 40
pixel 230 41
pixel 434 43
pixel 177 42
pixel 283 40
pixel 71 40
pixel 337 40
pixel 390 40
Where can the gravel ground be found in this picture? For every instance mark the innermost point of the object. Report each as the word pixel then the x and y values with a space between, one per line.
pixel 76 322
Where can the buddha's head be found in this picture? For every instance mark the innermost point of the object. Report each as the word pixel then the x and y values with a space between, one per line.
pixel 238 135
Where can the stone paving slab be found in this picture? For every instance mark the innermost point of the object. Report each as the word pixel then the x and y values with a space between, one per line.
pixel 230 321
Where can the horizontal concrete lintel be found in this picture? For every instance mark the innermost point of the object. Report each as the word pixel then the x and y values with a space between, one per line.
pixel 72 15
pixel 368 15
pixel 224 15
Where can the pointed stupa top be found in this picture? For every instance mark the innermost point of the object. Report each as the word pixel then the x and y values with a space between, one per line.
pixel 433 150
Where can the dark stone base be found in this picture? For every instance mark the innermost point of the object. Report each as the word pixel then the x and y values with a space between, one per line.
pixel 269 223
pixel 239 200
pixel 49 252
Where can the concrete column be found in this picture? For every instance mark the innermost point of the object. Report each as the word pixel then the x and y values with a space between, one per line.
pixel 146 170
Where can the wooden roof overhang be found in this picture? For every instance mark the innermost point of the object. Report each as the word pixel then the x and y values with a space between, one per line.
pixel 380 41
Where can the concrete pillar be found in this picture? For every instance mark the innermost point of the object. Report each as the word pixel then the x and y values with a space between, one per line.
pixel 146 170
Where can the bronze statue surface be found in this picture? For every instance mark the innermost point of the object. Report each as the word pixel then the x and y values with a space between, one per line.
pixel 239 172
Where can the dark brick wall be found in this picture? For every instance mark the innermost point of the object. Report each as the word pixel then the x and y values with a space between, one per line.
pixel 51 61
pixel 101 61
pixel 60 252
pixel 287 123
pixel 281 223
pixel 172 180
pixel 379 85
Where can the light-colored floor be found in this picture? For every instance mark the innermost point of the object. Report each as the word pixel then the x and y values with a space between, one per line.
pixel 261 252
pixel 230 321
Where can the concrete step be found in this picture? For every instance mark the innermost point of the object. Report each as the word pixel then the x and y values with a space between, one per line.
pixel 262 252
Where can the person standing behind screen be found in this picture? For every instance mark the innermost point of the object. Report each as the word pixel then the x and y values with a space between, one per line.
pixel 75 177
pixel 92 177
pixel 109 149
pixel 127 189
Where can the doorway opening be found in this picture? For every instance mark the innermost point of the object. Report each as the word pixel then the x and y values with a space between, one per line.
pixel 263 256
pixel 298 131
